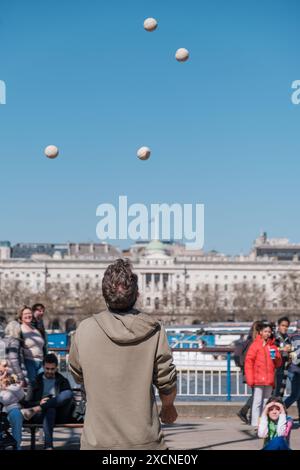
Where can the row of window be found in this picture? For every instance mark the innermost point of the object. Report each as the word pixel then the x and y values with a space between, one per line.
pixel 216 287
pixel 148 276
pixel 157 262
pixel 198 303
pixel 58 276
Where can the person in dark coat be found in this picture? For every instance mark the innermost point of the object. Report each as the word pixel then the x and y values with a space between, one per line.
pixel 283 342
pixel 38 311
pixel 50 400
pixel 239 356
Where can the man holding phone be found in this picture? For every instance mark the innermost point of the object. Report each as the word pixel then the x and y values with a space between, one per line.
pixel 51 399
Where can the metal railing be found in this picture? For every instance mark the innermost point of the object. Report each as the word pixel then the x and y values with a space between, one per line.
pixel 209 373
pixel 206 373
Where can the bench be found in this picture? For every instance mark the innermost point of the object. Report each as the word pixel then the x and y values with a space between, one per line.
pixel 32 427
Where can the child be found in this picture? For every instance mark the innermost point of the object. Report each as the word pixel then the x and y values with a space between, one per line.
pixel 11 393
pixel 262 359
pixel 275 426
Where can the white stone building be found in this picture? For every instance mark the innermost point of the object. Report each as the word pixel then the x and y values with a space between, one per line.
pixel 175 284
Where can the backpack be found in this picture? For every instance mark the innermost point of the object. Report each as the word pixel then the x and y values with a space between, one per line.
pixel 240 351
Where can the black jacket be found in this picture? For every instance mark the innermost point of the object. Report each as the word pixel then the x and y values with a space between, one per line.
pixel 36 393
pixel 39 325
pixel 281 341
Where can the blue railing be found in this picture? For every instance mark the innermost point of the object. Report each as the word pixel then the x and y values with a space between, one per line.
pixel 203 373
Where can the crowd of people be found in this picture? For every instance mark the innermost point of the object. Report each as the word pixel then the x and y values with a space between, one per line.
pixel 118 356
pixel 31 388
pixel 268 358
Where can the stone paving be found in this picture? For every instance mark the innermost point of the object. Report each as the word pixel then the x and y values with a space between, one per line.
pixel 188 433
pixel 217 434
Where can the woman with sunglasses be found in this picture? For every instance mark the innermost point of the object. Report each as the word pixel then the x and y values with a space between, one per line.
pixel 275 426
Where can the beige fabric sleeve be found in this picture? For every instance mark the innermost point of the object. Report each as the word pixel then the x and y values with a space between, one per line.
pixel 164 373
pixel 74 363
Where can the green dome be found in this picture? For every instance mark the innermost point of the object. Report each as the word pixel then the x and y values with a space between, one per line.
pixel 155 245
pixel 5 243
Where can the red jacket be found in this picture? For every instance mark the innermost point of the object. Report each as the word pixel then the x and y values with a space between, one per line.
pixel 259 366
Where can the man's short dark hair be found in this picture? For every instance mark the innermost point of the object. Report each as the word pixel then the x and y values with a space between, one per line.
pixel 50 359
pixel 120 285
pixel 282 319
pixel 37 307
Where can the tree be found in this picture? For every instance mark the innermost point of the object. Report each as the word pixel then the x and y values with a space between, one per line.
pixel 13 295
pixel 249 301
pixel 90 302
pixel 207 303
pixel 59 300
pixel 288 292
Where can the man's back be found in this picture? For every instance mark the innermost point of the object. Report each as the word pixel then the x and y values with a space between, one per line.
pixel 119 357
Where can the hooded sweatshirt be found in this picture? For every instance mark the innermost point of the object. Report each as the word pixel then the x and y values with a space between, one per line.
pixel 119 358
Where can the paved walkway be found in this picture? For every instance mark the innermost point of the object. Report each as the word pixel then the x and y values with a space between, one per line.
pixel 188 433
pixel 217 434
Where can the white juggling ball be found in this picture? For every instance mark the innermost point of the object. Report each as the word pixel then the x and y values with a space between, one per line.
pixel 150 24
pixel 51 151
pixel 143 153
pixel 182 54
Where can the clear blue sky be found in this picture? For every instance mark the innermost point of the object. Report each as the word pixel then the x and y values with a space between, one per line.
pixel 85 76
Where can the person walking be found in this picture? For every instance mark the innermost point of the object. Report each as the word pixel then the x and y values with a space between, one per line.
pixel 239 356
pixel 294 371
pixel 120 354
pixel 283 341
pixel 262 359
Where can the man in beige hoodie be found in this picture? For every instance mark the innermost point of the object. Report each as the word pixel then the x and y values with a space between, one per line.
pixel 119 355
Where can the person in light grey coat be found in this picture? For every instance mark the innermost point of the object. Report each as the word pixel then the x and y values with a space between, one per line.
pixel 11 394
pixel 14 351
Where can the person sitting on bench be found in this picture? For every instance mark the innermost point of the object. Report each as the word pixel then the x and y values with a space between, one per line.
pixel 51 399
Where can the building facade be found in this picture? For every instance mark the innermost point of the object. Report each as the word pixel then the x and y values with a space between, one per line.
pixel 176 285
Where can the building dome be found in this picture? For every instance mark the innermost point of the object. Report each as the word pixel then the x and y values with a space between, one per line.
pixel 5 243
pixel 155 245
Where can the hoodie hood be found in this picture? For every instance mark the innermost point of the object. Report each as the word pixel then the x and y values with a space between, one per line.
pixel 130 327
